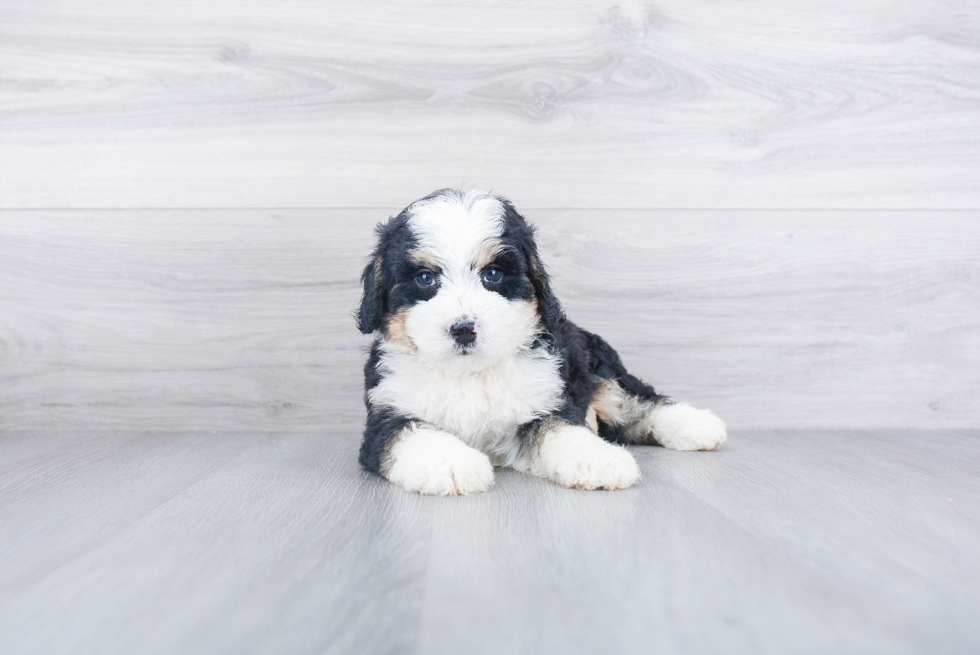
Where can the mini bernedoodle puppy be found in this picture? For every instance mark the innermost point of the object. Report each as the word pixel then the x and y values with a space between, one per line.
pixel 474 364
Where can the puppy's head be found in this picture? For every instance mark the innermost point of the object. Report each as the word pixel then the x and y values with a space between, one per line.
pixel 456 278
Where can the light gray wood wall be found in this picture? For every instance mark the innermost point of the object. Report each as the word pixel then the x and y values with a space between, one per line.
pixel 234 319
pixel 558 103
pixel 798 186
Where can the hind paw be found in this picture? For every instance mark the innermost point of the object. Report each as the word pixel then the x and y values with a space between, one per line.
pixel 682 427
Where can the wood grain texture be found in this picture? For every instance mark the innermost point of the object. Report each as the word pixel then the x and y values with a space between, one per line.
pixel 673 103
pixel 240 320
pixel 788 541
pixel 271 539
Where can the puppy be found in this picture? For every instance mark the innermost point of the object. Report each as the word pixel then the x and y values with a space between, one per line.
pixel 474 365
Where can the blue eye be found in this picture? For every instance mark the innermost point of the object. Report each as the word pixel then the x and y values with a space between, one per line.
pixel 425 278
pixel 492 275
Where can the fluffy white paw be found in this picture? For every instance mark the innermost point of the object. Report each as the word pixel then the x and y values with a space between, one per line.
pixel 434 462
pixel 575 457
pixel 683 427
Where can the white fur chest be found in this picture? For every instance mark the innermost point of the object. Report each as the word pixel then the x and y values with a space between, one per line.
pixel 483 408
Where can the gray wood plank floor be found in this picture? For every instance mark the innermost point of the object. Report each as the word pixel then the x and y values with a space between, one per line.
pixel 240 320
pixel 780 542
pixel 613 103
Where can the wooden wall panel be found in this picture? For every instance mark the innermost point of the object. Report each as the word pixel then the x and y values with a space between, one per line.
pixel 673 103
pixel 240 320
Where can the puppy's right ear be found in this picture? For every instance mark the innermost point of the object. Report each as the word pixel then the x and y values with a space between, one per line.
pixel 372 301
pixel 374 295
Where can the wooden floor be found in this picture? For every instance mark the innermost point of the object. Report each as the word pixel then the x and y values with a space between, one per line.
pixel 781 542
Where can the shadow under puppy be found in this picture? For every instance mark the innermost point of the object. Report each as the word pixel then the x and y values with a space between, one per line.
pixel 474 364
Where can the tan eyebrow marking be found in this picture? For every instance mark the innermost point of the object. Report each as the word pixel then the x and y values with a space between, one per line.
pixel 487 252
pixel 423 258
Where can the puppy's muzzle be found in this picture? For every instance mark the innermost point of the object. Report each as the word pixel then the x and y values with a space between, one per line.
pixel 463 332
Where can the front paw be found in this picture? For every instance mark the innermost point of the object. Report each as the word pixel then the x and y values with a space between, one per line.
pixel 575 457
pixel 682 427
pixel 434 462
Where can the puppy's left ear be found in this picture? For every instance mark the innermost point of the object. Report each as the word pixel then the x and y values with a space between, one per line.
pixel 548 305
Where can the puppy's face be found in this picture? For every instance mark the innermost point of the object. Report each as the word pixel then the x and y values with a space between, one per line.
pixel 456 278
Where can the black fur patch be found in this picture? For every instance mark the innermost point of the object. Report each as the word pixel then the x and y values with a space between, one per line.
pixel 381 428
pixel 587 360
pixel 383 424
pixel 605 363
pixel 516 281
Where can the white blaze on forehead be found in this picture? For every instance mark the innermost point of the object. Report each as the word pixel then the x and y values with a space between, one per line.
pixel 453 225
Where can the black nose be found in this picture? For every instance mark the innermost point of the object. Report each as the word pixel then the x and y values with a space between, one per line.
pixel 463 332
